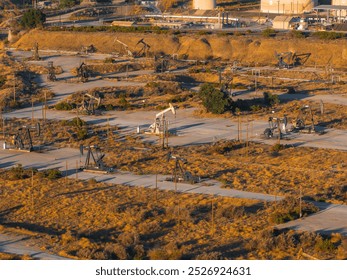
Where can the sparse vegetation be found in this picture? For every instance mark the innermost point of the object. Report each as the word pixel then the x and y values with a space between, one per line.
pixel 268 32
pixel 102 221
pixel 325 35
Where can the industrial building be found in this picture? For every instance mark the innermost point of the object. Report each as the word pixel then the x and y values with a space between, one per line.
pixel 204 4
pixel 288 6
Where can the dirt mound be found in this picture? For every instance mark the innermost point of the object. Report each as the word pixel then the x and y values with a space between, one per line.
pixel 246 49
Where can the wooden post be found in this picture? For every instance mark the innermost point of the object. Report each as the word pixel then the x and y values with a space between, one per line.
pixel 14 86
pixel 32 109
pixel 32 189
pixel 76 170
pixel 300 201
pixel 156 188
pixel 212 220
pixel 66 172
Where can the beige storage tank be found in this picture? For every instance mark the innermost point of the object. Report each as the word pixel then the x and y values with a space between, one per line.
pixel 339 13
pixel 204 4
pixel 287 7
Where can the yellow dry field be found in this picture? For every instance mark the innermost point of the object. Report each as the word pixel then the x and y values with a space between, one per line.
pixel 246 49
pixel 89 220
pixel 321 174
pixel 6 256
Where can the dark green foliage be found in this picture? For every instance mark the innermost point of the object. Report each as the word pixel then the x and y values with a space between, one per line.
pixel 288 209
pixel 324 245
pixel 268 32
pixel 77 122
pixel 277 148
pixel 296 34
pixel 82 134
pixel 17 172
pixel 33 18
pixel 213 99
pixel 271 99
pixel 64 106
pixel 68 3
pixel 52 174
pixel 123 102
pixel 2 80
pixel 327 35
pixel 136 29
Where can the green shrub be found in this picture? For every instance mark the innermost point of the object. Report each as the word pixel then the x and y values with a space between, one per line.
pixel 213 99
pixel 17 172
pixel 324 245
pixel 268 32
pixel 52 174
pixel 203 32
pixel 82 134
pixel 64 106
pixel 271 99
pixel 77 122
pixel 325 35
pixel 2 80
pixel 296 34
pixel 33 18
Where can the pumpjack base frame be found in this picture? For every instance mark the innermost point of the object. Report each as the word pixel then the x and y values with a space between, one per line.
pixel 20 150
pixel 98 171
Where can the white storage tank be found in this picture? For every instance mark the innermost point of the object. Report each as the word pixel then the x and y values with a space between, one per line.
pixel 340 13
pixel 204 4
pixel 287 6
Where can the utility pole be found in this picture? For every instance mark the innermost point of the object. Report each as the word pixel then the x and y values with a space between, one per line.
pixel 14 86
pixel 156 188
pixel 76 170
pixel 32 110
pixel 212 218
pixel 300 201
pixel 32 189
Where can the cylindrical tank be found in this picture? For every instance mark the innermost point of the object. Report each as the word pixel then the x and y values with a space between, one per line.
pixel 287 7
pixel 340 13
pixel 204 4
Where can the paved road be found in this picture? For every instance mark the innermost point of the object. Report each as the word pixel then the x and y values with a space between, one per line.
pixel 332 218
pixel 20 245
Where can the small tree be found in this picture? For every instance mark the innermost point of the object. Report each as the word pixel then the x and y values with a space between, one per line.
pixel 213 99
pixel 33 18
pixel 271 99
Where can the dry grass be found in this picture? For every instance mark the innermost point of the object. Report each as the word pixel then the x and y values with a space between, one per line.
pixel 6 256
pixel 89 220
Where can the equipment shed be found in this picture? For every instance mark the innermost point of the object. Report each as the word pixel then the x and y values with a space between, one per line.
pixel 285 22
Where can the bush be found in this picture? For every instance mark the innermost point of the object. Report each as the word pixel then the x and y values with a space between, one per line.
pixel 33 18
pixel 77 122
pixel 17 172
pixel 2 80
pixel 64 106
pixel 82 134
pixel 324 245
pixel 67 3
pixel 271 99
pixel 268 32
pixel 52 174
pixel 296 34
pixel 213 99
pixel 324 35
